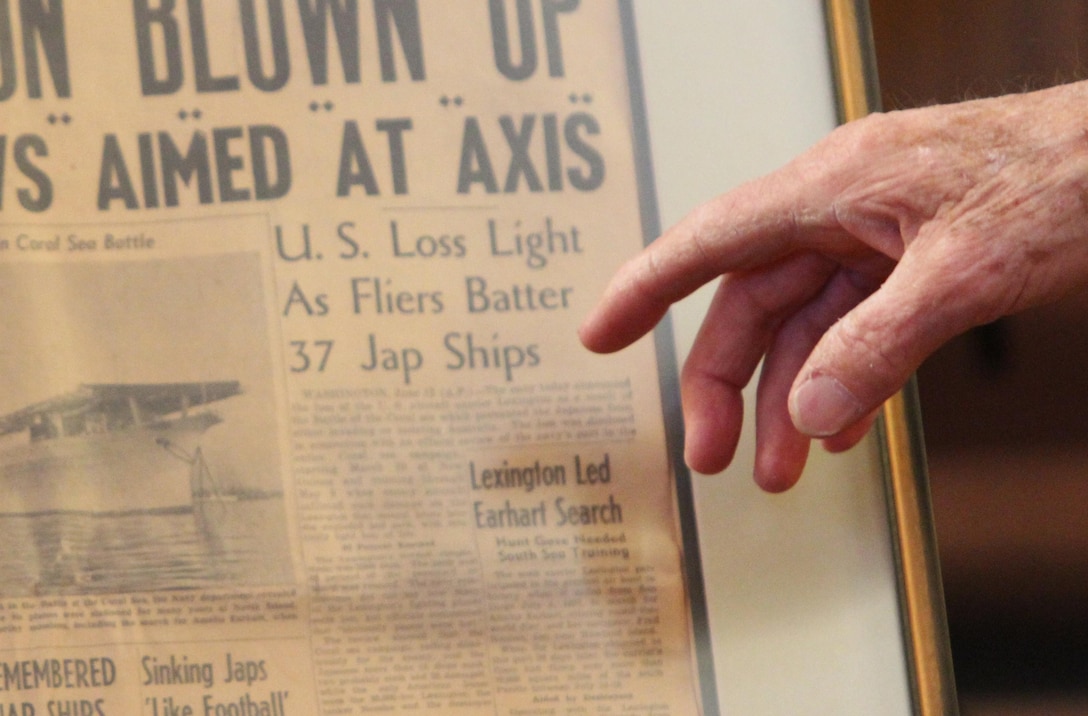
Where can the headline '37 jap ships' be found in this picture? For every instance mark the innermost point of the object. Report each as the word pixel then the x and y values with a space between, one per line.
pixel 109 448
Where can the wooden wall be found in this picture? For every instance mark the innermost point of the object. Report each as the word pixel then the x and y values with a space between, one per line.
pixel 1006 406
pixel 945 50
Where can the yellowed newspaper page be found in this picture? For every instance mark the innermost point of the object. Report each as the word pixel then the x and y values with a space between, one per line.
pixel 294 418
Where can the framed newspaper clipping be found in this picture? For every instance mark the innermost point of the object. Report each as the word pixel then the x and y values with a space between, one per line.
pixel 294 417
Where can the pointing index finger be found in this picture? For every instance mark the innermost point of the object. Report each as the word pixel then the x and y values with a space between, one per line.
pixel 755 224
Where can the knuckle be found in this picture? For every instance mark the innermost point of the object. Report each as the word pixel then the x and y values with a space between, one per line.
pixel 869 345
pixel 866 136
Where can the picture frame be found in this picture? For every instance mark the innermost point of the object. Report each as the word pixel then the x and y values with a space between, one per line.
pixel 918 669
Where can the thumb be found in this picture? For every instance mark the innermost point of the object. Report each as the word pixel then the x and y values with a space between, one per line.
pixel 869 354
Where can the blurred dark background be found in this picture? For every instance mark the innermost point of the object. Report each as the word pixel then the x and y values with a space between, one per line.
pixel 1005 407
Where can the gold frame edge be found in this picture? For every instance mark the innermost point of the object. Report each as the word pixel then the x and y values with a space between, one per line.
pixel 925 624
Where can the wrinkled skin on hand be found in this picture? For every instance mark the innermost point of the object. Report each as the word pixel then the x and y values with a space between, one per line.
pixel 846 268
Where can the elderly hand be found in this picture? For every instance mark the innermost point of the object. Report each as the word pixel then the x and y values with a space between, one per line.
pixel 846 268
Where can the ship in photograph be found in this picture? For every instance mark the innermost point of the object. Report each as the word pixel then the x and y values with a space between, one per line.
pixel 110 449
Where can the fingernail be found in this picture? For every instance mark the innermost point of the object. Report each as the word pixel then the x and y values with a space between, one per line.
pixel 822 406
